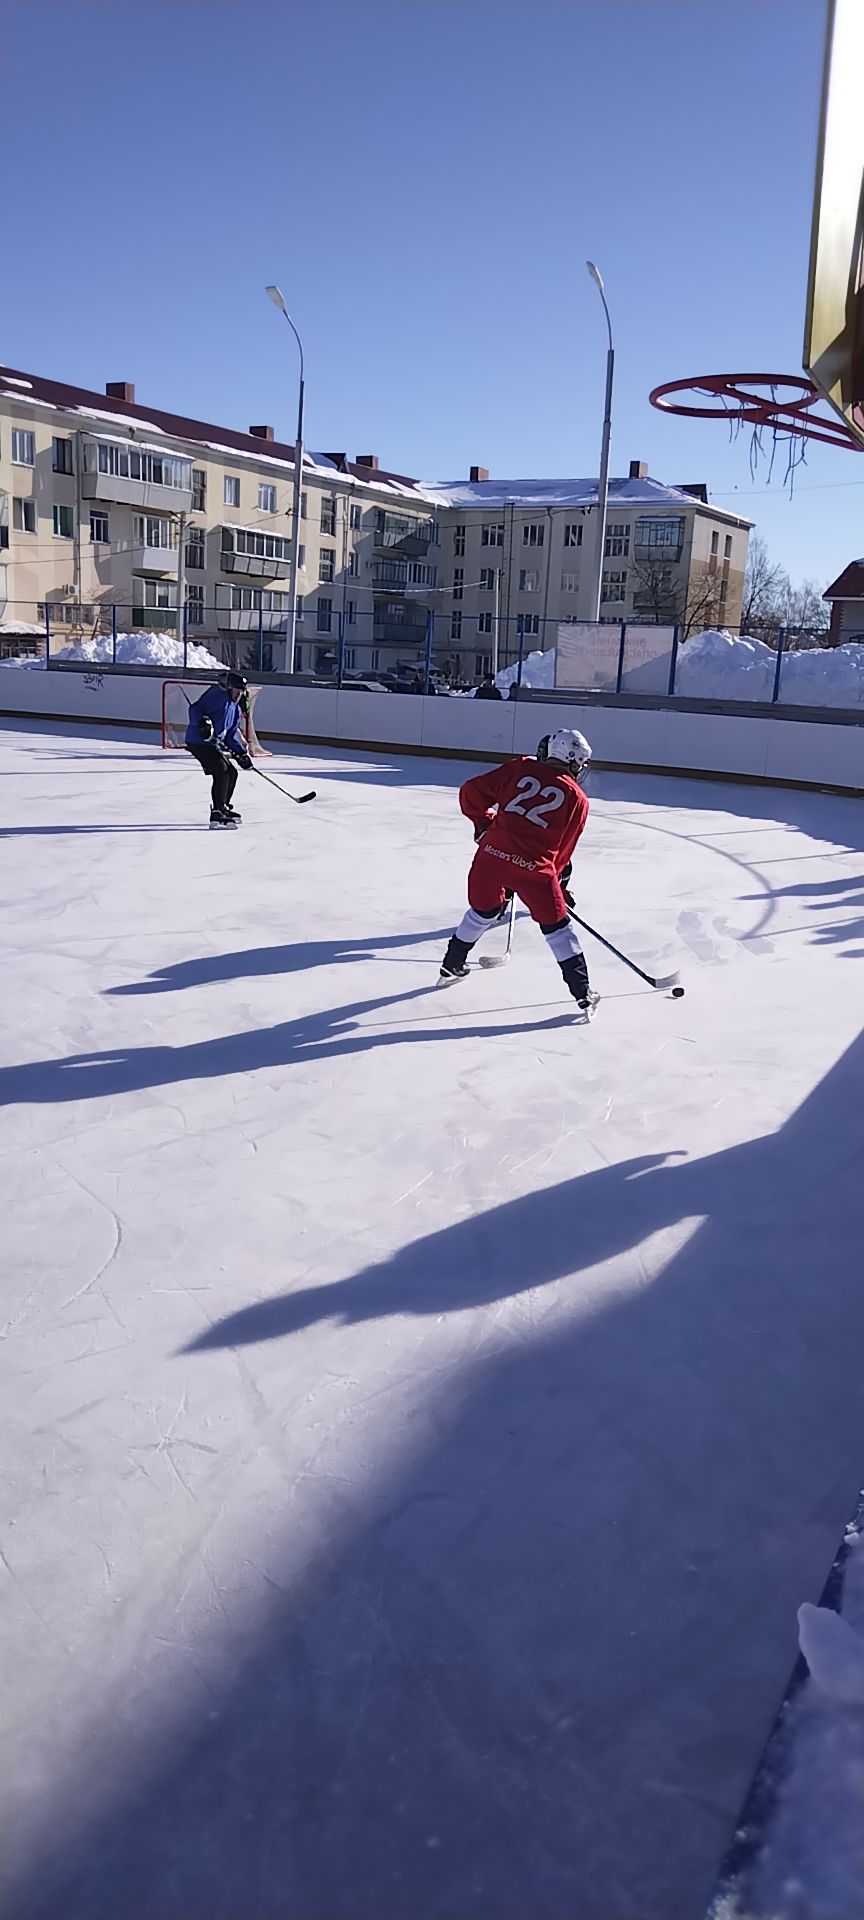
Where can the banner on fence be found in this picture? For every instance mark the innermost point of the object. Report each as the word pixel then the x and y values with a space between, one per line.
pixel 590 656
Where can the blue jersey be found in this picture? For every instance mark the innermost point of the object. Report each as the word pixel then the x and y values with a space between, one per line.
pixel 225 714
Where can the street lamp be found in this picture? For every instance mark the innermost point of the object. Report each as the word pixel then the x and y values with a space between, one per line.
pixel 603 483
pixel 278 298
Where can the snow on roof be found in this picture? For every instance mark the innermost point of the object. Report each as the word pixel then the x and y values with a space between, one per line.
pixel 553 493
pixel 11 381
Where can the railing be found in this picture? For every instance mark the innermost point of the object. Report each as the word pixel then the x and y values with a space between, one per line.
pixel 617 659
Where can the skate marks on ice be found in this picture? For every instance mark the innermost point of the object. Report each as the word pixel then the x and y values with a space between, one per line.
pixel 647 1489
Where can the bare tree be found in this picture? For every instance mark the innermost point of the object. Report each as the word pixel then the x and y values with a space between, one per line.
pixel 689 607
pixel 764 584
pixel 802 609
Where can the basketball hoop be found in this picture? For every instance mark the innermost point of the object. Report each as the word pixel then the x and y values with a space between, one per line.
pixel 787 405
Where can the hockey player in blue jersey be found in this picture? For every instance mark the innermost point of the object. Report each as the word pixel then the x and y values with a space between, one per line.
pixel 215 737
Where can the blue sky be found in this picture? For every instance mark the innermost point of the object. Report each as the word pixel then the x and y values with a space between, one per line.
pixel 457 161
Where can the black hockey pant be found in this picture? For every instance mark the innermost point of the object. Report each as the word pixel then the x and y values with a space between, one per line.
pixel 220 769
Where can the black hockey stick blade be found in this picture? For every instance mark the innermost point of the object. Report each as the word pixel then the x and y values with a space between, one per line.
pixel 501 959
pixel 299 799
pixel 659 981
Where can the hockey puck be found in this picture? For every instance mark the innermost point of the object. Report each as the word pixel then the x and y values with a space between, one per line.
pixel 677 993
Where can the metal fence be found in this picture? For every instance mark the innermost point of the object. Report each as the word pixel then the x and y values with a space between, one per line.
pixel 416 649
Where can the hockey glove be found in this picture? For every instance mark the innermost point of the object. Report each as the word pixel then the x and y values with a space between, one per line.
pixel 242 758
pixel 206 725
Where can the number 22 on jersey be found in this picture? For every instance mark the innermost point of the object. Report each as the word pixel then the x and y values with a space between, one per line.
pixel 527 789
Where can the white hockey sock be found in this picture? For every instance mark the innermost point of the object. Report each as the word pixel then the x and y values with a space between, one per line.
pixel 564 943
pixel 473 924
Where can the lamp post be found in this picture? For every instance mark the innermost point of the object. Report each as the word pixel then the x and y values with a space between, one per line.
pixel 278 299
pixel 603 482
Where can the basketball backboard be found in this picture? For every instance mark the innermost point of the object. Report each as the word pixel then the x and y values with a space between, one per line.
pixel 834 321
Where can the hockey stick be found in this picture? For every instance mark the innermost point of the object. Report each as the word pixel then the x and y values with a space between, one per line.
pixel 501 959
pixel 661 981
pixel 299 799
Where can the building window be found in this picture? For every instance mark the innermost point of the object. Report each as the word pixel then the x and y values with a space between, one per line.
pixel 484 623
pixel 324 621
pixel 64 522
pixel 266 497
pixel 99 535
pixel 528 625
pixel 267 663
pixel 194 606
pixel 458 582
pixel 352 613
pixel 350 658
pixel 61 455
pixel 573 533
pixel 199 490
pixel 569 582
pixel 374 659
pixel 487 579
pixel 301 558
pixel 529 579
pixel 659 534
pixel 153 530
pixel 265 546
pixel 232 490
pixel 492 536
pixel 354 516
pixel 534 534
pixel 353 565
pixel 715 542
pixel 161 594
pixel 617 541
pixel 328 516
pixel 326 564
pixel 456 624
pixel 23 448
pixel 482 665
pixel 458 541
pixel 615 586
pixel 133 463
pixel 723 589
pixel 727 546
pixel 304 501
pixel 258 600
pixel 24 516
pixel 195 542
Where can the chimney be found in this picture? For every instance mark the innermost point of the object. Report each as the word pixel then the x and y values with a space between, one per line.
pixel 121 390
pixel 369 460
pixel 477 474
pixel 638 470
pixel 263 433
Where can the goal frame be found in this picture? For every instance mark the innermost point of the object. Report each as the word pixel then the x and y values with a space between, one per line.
pixel 174 730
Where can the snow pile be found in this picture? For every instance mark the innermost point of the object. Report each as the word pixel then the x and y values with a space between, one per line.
pixel 538 670
pixel 716 666
pixel 133 650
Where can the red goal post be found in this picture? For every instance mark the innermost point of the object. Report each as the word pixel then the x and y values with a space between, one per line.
pixel 177 698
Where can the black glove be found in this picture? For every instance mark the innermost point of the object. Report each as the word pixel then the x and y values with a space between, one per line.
pixel 206 725
pixel 568 896
pixel 242 758
pixel 481 828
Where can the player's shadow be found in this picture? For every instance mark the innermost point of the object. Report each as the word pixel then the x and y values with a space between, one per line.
pixel 845 894
pixel 256 963
pixel 317 1036
pixel 517 1645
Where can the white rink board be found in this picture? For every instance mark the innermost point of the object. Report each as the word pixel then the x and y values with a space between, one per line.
pixel 422 1417
pixel 813 752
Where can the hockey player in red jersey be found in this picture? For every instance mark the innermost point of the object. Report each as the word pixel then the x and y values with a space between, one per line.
pixel 530 813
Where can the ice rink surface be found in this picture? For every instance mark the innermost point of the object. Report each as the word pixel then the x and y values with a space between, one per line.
pixel 423 1416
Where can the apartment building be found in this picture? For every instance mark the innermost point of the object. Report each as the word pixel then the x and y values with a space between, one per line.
pixel 105 505
pixel 519 556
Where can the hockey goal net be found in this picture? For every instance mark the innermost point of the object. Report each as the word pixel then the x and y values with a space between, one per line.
pixel 177 698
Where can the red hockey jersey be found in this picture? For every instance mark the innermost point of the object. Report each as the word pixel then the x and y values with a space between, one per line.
pixel 541 812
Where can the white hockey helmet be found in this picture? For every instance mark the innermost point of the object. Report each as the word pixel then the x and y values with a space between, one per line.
pixel 570 748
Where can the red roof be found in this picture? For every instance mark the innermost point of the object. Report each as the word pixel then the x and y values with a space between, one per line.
pixel 849 585
pixel 57 394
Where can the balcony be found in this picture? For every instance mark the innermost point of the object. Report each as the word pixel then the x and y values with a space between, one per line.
pixel 257 564
pixel 136 475
pixel 403 576
pixel 250 620
pixel 657 555
pixel 398 533
pixel 158 560
pixel 389 629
